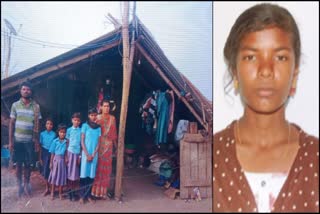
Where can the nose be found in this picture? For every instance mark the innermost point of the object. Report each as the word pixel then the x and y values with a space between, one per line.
pixel 266 69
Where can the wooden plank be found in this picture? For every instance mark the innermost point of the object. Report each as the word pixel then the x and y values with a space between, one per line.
pixel 194 157
pixel 199 182
pixel 193 128
pixel 194 174
pixel 209 159
pixel 184 168
pixel 156 67
pixel 193 138
pixel 202 168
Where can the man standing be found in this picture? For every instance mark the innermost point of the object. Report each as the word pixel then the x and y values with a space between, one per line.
pixel 24 135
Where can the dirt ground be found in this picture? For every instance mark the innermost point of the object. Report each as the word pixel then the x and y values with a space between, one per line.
pixel 140 195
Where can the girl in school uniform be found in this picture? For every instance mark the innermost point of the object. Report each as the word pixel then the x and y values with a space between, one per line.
pixel 46 139
pixel 58 173
pixel 90 135
pixel 73 153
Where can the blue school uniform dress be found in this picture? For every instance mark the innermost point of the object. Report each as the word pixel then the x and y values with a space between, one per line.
pixel 58 174
pixel 74 136
pixel 46 139
pixel 88 169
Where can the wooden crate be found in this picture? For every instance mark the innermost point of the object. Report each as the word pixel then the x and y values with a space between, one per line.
pixel 195 164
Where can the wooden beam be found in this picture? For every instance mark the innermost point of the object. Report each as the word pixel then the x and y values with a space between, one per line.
pixel 114 21
pixel 57 66
pixel 157 68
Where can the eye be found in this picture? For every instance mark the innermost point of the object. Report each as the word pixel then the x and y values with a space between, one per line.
pixel 281 58
pixel 249 58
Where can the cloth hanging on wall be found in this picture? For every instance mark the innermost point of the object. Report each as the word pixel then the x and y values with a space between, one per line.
pixel 148 110
pixel 163 118
pixel 171 114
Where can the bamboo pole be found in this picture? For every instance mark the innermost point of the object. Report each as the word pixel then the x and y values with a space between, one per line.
pixel 160 72
pixel 124 101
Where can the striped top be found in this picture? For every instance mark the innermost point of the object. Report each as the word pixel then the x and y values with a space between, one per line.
pixel 24 124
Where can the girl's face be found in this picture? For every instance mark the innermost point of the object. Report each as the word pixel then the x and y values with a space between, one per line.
pixel 105 108
pixel 76 122
pixel 49 125
pixel 265 69
pixel 62 133
pixel 93 117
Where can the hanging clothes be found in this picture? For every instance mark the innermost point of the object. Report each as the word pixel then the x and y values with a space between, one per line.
pixel 148 113
pixel 171 113
pixel 163 118
pixel 100 98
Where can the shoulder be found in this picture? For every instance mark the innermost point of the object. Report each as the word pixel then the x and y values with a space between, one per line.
pixel 35 104
pixel 55 140
pixel 113 118
pixel 15 104
pixel 223 141
pixel 305 138
pixel 309 147
pixel 224 135
pixel 308 142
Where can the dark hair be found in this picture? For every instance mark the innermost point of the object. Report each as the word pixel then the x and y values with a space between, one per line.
pixel 258 18
pixel 61 126
pixel 26 83
pixel 76 115
pixel 92 110
pixel 112 104
pixel 105 101
pixel 49 119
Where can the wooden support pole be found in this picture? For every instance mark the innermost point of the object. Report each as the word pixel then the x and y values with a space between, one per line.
pixel 124 101
pixel 160 72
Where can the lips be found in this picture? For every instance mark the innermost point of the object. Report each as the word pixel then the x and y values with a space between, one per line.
pixel 265 92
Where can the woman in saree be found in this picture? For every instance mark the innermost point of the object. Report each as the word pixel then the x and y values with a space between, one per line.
pixel 108 139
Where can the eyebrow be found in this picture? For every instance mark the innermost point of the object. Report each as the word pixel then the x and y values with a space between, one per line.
pixel 283 48
pixel 248 48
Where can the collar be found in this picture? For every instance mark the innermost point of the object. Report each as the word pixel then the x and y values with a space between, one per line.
pixel 21 101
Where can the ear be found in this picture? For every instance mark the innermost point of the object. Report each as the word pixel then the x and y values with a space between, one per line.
pixel 235 82
pixel 293 88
